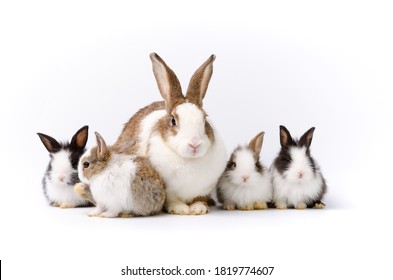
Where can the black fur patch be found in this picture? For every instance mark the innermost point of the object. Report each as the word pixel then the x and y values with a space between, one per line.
pixel 283 160
pixel 258 167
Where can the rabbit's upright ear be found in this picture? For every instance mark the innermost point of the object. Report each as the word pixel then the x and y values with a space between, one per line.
pixel 50 143
pixel 102 148
pixel 167 82
pixel 255 144
pixel 199 82
pixel 306 138
pixel 79 139
pixel 285 137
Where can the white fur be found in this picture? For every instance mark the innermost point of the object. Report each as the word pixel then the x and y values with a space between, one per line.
pixel 147 125
pixel 80 167
pixel 257 188
pixel 187 178
pixel 192 132
pixel 111 188
pixel 289 189
pixel 58 190
pixel 187 173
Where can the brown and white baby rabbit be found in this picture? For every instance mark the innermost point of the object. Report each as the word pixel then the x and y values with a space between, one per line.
pixel 121 184
pixel 245 183
pixel 297 179
pixel 62 174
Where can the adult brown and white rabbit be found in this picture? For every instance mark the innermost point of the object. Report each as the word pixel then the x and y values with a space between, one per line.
pixel 179 141
pixel 297 178
pixel 120 184
pixel 245 183
pixel 62 174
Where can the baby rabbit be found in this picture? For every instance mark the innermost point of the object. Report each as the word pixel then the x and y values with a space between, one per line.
pixel 120 184
pixel 297 179
pixel 245 183
pixel 62 174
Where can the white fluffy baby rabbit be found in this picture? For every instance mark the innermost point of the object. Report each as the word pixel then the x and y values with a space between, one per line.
pixel 245 183
pixel 61 174
pixel 297 179
pixel 120 184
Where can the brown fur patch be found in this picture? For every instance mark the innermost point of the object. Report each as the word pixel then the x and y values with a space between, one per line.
pixel 170 128
pixel 164 127
pixel 174 103
pixel 204 199
pixel 209 131
pixel 148 189
pixel 96 163
pixel 132 128
pixel 146 170
pixel 175 115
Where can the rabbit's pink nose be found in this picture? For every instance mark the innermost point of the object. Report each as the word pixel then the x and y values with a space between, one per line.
pixel 61 178
pixel 245 178
pixel 194 146
pixel 300 174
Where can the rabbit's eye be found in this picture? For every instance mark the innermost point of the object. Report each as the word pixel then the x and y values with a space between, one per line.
pixel 173 121
pixel 86 164
pixel 232 164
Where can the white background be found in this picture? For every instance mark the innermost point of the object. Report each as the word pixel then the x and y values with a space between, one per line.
pixel 297 63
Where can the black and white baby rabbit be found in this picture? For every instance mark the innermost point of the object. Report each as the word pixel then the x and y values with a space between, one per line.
pixel 296 176
pixel 62 172
pixel 245 183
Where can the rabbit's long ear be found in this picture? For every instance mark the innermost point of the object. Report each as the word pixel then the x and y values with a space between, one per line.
pixel 199 82
pixel 50 143
pixel 167 82
pixel 285 137
pixel 255 144
pixel 307 137
pixel 102 148
pixel 79 139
